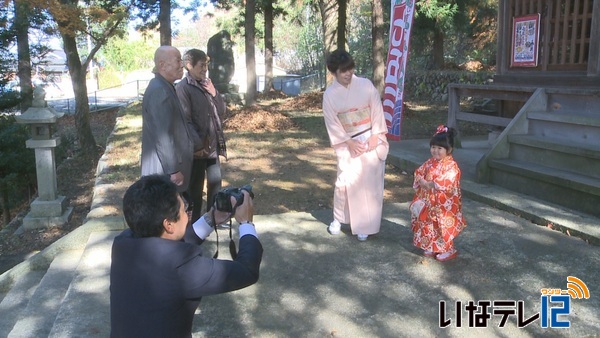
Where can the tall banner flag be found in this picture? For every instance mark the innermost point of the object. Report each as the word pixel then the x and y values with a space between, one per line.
pixel 400 26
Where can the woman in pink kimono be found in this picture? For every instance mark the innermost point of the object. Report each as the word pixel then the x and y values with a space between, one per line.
pixel 356 127
pixel 437 206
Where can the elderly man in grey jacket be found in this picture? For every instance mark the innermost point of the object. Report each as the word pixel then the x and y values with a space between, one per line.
pixel 166 144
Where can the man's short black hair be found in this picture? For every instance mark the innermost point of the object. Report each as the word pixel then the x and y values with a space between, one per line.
pixel 148 202
pixel 340 60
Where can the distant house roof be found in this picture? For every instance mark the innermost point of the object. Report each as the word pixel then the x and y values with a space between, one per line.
pixel 53 62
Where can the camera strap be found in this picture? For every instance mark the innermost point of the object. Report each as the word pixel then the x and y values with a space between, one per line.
pixel 216 234
pixel 232 247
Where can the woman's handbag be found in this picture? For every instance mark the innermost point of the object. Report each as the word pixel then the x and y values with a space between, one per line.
pixel 417 209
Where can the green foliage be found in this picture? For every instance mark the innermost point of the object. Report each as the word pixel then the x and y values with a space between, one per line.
pixel 147 12
pixel 303 47
pixel 468 27
pixel 8 96
pixel 17 163
pixel 299 46
pixel 233 24
pixel 14 156
pixel 442 12
pixel 124 55
pixel 297 32
pixel 484 27
pixel 109 77
pixel 36 26
pixel 359 32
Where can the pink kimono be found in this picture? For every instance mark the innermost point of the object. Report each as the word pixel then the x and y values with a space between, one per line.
pixel 357 112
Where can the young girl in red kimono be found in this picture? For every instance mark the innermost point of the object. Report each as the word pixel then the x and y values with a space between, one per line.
pixel 437 206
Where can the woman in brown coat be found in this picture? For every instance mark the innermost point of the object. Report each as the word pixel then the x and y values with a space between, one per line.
pixel 203 106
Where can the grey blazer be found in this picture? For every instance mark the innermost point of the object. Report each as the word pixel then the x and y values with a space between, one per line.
pixel 166 144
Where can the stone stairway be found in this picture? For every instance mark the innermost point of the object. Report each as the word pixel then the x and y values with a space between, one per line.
pixel 551 150
pixel 41 296
pixel 63 291
pixel 43 302
pixel 37 315
pixel 88 292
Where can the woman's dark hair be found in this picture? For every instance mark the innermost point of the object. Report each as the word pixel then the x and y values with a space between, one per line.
pixel 444 137
pixel 339 60
pixel 193 56
pixel 148 202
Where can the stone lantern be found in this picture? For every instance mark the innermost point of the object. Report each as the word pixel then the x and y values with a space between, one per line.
pixel 48 209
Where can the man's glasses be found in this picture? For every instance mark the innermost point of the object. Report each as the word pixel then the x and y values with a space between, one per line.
pixel 186 205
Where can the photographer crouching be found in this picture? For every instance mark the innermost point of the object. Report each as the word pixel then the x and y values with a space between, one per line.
pixel 158 273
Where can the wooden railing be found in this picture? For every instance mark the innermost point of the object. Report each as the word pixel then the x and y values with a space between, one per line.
pixel 456 91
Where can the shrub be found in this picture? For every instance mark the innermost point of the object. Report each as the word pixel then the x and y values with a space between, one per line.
pixel 17 164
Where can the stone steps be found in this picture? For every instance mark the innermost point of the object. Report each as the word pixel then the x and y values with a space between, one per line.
pixel 16 300
pixel 562 187
pixel 571 156
pixel 88 297
pixel 38 317
pixel 551 151
pixel 69 299
pixel 63 291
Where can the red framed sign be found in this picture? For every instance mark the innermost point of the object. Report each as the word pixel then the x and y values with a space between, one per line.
pixel 525 41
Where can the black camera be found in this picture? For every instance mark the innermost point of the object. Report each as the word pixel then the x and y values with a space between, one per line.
pixel 223 197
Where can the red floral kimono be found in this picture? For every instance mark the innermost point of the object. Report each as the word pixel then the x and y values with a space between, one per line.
pixel 441 219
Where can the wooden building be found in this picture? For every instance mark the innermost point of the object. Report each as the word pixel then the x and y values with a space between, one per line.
pixel 568 43
pixel 547 94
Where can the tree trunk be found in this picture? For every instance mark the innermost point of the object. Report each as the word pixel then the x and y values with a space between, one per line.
pixel 250 54
pixel 329 15
pixel 82 108
pixel 164 19
pixel 378 47
pixel 24 67
pixel 268 46
pixel 329 20
pixel 341 25
pixel 438 49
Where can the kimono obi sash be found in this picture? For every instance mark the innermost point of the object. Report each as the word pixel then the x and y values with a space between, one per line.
pixel 356 121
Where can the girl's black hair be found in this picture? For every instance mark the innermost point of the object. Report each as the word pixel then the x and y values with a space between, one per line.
pixel 444 137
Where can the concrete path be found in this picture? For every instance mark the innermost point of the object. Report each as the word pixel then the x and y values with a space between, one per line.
pixel 314 284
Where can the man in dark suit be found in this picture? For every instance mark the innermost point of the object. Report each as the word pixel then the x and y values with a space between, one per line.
pixel 167 147
pixel 158 273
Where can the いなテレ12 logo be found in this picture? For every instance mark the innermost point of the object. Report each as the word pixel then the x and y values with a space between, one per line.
pixel 549 315
pixel 555 306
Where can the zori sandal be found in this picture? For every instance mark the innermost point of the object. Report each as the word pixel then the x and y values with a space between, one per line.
pixel 446 256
